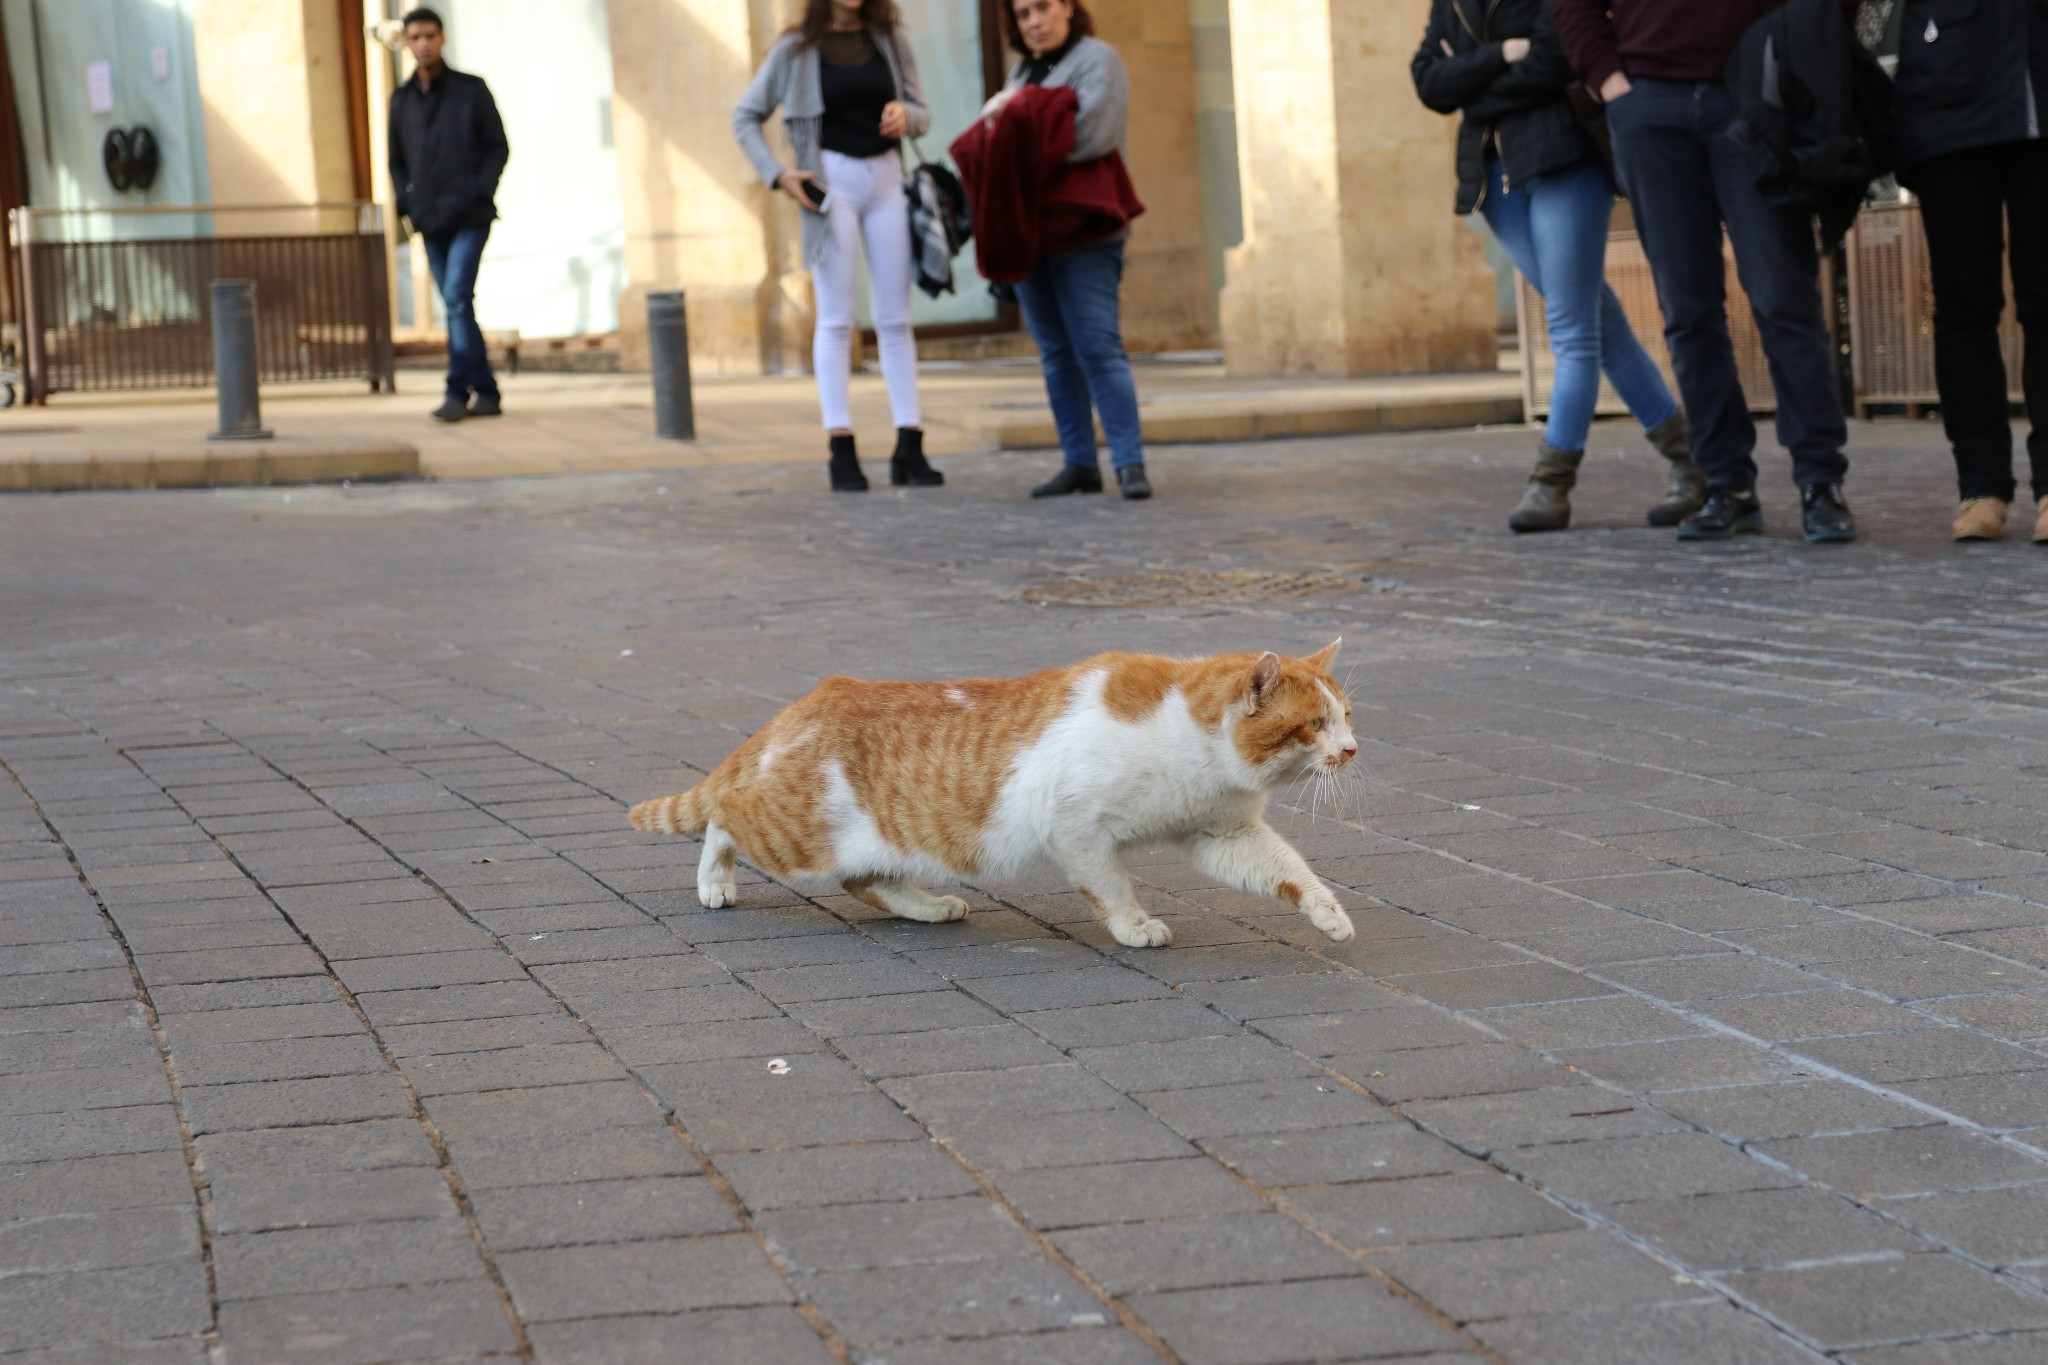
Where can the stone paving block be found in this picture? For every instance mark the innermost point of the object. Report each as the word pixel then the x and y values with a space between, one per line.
pixel 1005 959
pixel 455 1320
pixel 1271 996
pixel 1108 985
pixel 1124 1191
pixel 560 1109
pixel 930 1232
pixel 1477 987
pixel 1664 1165
pixel 1403 1026
pixel 1436 1073
pixel 63 988
pixel 271 1200
pixel 296 1103
pixel 1036 1090
pixel 1586 1023
pixel 987 1047
pixel 891 1013
pixel 762 1038
pixel 1090 1345
pixel 1184 1063
pixel 1140 1021
pixel 1708 978
pixel 516 1218
pixel 1952 971
pixel 265 1153
pixel 1387 1213
pixel 241 995
pixel 139 1180
pixel 674 971
pixel 445 1004
pixel 1262 1107
pixel 1906 1161
pixel 1560 1113
pixel 1317 1156
pixel 1682 1064
pixel 1697 1334
pixel 674 1008
pixel 99 1087
pixel 99 1240
pixel 126 1304
pixel 262 1023
pixel 1189 1253
pixel 993 1143
pixel 726 1270
pixel 1757 1228
pixel 1790 1109
pixel 88 1133
pixel 857 1174
pixel 1813 1014
pixel 298 1261
pixel 2008 1099
pixel 1521 1276
pixel 2002 1226
pixel 718 1124
pixel 418 971
pixel 775 1334
pixel 1272 1324
pixel 481 1035
pixel 1922 1054
pixel 221 1063
pixel 511 1068
pixel 617 1152
pixel 2012 1348
pixel 1870 1303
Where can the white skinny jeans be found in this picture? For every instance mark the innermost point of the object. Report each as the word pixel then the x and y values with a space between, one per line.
pixel 868 208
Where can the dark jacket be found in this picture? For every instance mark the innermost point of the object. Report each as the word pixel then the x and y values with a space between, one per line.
pixel 1965 69
pixel 447 150
pixel 1674 40
pixel 1029 201
pixel 1517 110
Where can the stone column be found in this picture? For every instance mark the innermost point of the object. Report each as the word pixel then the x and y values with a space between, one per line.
pixel 1351 263
pixel 697 217
pixel 273 83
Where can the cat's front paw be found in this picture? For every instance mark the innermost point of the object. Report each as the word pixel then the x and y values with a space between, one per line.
pixel 1141 933
pixel 717 895
pixel 950 908
pixel 1327 915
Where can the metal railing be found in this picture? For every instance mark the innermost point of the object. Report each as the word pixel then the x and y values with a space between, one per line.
pixel 112 304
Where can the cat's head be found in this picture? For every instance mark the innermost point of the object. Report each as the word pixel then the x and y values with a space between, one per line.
pixel 1295 717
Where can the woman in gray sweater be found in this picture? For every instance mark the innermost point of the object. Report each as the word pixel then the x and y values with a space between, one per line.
pixel 847 87
pixel 1070 300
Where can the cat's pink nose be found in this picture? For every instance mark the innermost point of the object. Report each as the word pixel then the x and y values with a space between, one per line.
pixel 1351 749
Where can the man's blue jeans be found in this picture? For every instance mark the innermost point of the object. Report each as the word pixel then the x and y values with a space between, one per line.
pixel 453 257
pixel 1685 177
pixel 1554 228
pixel 1070 304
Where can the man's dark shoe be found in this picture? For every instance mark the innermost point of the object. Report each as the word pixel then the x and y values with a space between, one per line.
pixel 1824 514
pixel 481 406
pixel 1131 479
pixel 1727 512
pixel 1072 478
pixel 451 410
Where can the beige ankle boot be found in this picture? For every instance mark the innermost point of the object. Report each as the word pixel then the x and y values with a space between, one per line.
pixel 1981 519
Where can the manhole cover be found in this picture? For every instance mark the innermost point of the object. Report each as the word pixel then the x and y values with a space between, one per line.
pixel 1189 588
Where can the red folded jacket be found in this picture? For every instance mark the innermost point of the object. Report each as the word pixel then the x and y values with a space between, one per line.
pixel 1027 202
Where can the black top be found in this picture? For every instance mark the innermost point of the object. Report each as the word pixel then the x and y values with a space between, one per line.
pixel 1972 73
pixel 1036 69
pixel 857 82
pixel 447 150
pixel 1516 112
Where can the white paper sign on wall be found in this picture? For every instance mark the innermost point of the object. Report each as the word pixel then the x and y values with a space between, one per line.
pixel 99 86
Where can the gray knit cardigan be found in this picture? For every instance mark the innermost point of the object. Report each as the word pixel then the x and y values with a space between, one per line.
pixel 1095 73
pixel 789 80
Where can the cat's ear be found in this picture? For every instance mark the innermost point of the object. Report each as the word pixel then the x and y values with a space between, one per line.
pixel 1258 683
pixel 1324 657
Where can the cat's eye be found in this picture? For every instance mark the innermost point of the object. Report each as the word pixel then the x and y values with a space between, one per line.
pixel 1321 723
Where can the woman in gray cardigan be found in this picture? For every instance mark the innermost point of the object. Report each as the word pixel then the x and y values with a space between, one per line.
pixel 846 83
pixel 1070 299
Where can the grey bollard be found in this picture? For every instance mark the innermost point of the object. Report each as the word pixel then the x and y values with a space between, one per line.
pixel 668 347
pixel 234 362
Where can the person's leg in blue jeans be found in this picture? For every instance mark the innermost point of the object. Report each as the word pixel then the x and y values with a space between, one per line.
pixel 453 258
pixel 1088 280
pixel 1066 389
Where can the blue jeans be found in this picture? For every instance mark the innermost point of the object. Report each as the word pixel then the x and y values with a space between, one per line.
pixel 1685 177
pixel 1070 304
pixel 1554 228
pixel 453 257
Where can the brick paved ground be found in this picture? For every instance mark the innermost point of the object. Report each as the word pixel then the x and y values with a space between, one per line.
pixel 1697 1011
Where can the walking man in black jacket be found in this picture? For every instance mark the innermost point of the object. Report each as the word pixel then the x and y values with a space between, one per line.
pixel 447 152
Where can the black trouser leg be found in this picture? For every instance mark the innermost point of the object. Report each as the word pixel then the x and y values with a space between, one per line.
pixel 2026 203
pixel 1962 205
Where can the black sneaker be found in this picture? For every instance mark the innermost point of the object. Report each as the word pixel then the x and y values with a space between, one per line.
pixel 480 406
pixel 1072 478
pixel 451 410
pixel 1824 514
pixel 1727 513
pixel 1133 482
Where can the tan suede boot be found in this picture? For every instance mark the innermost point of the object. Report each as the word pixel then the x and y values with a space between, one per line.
pixel 1981 519
pixel 1546 502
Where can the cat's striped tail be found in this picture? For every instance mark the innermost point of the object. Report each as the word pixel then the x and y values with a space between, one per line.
pixel 682 814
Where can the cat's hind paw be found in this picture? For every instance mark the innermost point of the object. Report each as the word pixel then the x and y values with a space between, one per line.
pixel 947 909
pixel 1141 933
pixel 717 895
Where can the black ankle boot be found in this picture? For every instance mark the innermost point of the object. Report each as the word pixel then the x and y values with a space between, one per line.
pixel 908 465
pixel 845 467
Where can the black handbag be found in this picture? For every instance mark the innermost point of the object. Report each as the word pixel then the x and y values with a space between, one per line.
pixel 1591 112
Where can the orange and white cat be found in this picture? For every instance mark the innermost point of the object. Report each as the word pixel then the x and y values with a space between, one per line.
pixel 881 785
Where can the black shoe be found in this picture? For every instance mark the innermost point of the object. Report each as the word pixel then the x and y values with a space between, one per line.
pixel 480 406
pixel 1727 513
pixel 1072 478
pixel 908 465
pixel 845 467
pixel 1824 513
pixel 451 410
pixel 1131 479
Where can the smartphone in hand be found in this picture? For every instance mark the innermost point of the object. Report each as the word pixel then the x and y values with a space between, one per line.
pixel 817 194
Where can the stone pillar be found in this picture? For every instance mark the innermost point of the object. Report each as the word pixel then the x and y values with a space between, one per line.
pixel 697 217
pixel 1167 303
pixel 1351 264
pixel 273 83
